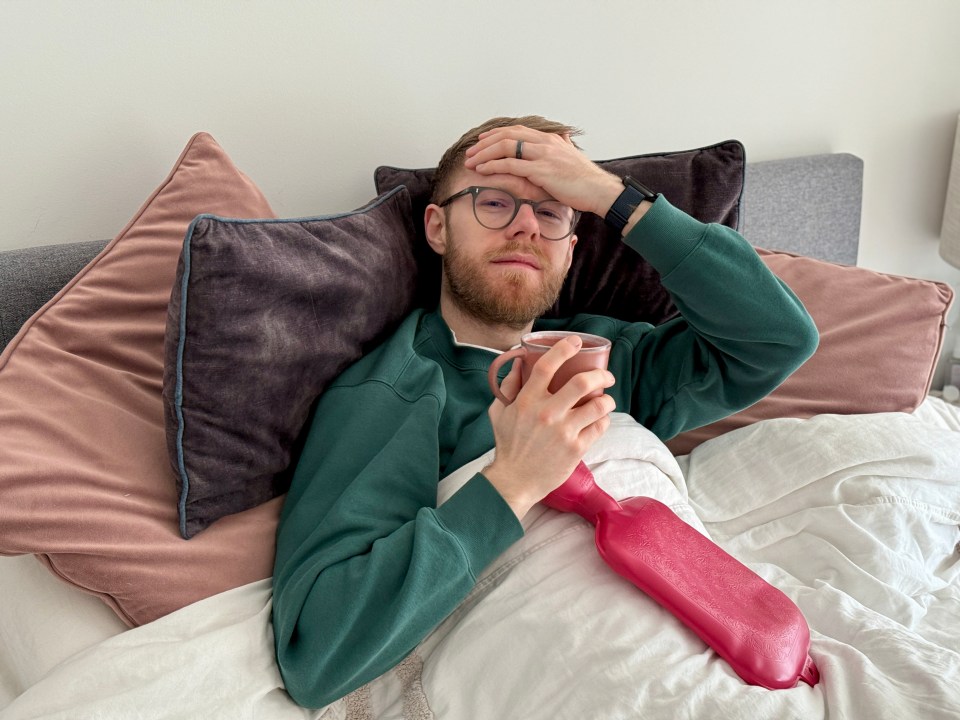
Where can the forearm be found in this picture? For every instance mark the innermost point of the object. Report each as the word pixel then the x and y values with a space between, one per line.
pixel 367 565
pixel 340 623
pixel 741 331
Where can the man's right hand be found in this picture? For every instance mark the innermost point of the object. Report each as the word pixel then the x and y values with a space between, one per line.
pixel 540 437
pixel 553 163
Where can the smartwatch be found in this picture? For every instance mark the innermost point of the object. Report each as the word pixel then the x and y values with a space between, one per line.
pixel 633 194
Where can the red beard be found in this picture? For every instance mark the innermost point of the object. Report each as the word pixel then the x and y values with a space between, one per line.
pixel 515 300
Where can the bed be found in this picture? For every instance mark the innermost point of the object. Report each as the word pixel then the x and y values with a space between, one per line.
pixel 842 488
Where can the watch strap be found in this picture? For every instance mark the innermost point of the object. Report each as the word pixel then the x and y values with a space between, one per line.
pixel 633 194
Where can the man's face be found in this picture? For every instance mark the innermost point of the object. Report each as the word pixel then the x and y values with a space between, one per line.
pixel 509 276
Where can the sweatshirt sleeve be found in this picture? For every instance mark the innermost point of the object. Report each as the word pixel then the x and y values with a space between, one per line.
pixel 367 565
pixel 740 334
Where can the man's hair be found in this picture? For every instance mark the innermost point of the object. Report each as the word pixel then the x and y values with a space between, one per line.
pixel 452 160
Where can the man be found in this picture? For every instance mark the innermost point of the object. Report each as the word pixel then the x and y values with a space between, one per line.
pixel 367 565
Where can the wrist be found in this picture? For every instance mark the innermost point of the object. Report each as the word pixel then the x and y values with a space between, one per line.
pixel 630 205
pixel 607 194
pixel 635 216
pixel 511 491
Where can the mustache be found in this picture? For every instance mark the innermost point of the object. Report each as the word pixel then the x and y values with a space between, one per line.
pixel 516 247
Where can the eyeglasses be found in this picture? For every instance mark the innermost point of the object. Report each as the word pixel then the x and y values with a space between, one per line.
pixel 495 209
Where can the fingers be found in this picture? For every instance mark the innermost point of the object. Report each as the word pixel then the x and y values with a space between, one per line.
pixel 512 382
pixel 505 148
pixel 572 393
pixel 584 385
pixel 594 431
pixel 579 386
pixel 546 367
pixel 594 409
pixel 502 142
pixel 501 159
pixel 520 132
pixel 587 406
pixel 496 150
pixel 541 436
pixel 551 162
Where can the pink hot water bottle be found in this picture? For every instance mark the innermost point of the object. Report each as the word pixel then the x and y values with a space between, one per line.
pixel 751 624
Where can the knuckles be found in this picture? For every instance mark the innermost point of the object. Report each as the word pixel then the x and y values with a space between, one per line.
pixel 604 405
pixel 546 416
pixel 583 383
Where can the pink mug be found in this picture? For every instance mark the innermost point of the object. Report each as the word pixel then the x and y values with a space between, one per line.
pixel 594 354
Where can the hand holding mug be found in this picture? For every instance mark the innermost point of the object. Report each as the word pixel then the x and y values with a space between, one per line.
pixel 558 409
pixel 594 354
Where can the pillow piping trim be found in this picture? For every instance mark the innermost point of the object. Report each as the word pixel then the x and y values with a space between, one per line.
pixel 178 392
pixel 182 326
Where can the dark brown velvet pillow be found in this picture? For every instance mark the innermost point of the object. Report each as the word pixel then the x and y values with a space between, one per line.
pixel 263 315
pixel 606 277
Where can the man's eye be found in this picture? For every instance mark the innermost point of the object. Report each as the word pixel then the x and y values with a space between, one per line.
pixel 492 203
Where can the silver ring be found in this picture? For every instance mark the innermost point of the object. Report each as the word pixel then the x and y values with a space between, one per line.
pixel 519 149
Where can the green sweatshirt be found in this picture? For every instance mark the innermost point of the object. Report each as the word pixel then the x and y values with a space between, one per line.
pixel 367 565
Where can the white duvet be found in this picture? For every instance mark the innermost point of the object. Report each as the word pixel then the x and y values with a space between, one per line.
pixel 854 517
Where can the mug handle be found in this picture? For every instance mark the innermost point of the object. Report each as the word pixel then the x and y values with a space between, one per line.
pixel 495 367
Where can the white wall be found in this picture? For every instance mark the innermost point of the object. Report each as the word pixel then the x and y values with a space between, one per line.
pixel 98 98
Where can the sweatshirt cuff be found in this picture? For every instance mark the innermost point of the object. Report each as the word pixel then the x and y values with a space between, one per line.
pixel 480 519
pixel 664 236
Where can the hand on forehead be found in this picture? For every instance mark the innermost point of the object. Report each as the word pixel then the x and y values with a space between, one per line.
pixel 548 161
pixel 499 144
pixel 516 185
pixel 515 142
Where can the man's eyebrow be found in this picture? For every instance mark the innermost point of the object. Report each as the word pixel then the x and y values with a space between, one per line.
pixel 510 192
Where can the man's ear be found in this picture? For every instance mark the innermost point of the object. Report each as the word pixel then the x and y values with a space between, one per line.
pixel 573 243
pixel 435 227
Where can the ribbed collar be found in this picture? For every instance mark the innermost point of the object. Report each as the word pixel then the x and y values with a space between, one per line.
pixel 460 355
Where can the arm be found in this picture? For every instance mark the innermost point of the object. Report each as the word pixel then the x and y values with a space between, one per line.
pixel 366 564
pixel 741 333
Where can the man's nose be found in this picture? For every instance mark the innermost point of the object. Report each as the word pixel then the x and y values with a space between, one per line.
pixel 525 221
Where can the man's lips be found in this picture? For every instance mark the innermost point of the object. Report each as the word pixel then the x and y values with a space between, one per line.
pixel 518 259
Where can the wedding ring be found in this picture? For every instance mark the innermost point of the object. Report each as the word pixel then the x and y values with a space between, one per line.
pixel 519 149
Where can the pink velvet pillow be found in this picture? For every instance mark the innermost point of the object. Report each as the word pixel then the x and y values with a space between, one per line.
pixel 85 482
pixel 880 337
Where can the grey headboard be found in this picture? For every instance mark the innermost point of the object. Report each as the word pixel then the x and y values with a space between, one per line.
pixel 807 205
pixel 31 276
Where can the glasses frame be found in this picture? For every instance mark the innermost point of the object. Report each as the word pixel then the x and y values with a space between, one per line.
pixel 474 190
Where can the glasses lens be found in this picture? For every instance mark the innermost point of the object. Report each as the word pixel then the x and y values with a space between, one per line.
pixel 555 218
pixel 495 209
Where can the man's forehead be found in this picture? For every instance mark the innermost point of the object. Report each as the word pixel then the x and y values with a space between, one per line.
pixel 519 186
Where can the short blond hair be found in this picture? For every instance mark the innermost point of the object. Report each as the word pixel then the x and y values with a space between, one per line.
pixel 452 160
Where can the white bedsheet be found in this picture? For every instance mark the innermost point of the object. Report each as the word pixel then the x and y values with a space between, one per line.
pixel 43 621
pixel 855 518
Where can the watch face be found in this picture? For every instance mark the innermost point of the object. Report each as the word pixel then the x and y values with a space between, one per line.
pixel 647 193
